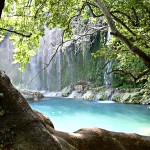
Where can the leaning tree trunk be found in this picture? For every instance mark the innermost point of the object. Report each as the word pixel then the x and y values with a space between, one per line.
pixel 114 31
pixel 21 128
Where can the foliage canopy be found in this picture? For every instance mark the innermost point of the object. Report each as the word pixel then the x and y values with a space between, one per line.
pixel 129 22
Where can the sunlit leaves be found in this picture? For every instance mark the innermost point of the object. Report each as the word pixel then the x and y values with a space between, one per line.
pixel 30 16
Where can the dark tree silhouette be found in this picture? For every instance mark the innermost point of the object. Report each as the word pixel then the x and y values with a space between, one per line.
pixel 2 3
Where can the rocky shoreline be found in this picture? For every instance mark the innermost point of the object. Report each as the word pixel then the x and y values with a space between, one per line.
pixel 85 91
pixel 31 95
pixel 128 96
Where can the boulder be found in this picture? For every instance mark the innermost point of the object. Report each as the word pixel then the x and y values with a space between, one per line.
pixel 99 96
pixel 75 94
pixel 33 95
pixel 79 88
pixel 66 91
pixel 104 94
pixel 135 97
pixel 117 96
pixel 89 95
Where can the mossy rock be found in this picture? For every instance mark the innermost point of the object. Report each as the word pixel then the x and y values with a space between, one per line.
pixel 117 97
pixel 101 96
pixel 126 97
pixel 88 95
pixel 67 91
pixel 136 98
pixel 145 101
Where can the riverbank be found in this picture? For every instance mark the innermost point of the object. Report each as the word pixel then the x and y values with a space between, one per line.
pixel 85 91
pixel 121 95
pixel 31 95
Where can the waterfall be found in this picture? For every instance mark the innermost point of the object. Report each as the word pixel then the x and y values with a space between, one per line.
pixel 59 68
pixel 72 63
pixel 107 74
pixel 35 77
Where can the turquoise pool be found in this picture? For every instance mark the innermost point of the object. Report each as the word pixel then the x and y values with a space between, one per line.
pixel 72 114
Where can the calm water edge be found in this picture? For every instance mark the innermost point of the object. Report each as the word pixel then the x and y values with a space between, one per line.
pixel 72 114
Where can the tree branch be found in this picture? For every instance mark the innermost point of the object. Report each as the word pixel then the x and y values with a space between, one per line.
pixel 94 15
pixel 105 65
pixel 69 21
pixel 40 7
pixel 122 13
pixel 61 45
pixel 25 35
pixel 143 73
pixel 142 55
pixel 123 24
pixel 130 74
pixel 124 72
pixel 114 31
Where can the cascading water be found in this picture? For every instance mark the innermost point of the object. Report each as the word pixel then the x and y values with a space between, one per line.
pixel 72 63
pixel 107 74
pixel 35 77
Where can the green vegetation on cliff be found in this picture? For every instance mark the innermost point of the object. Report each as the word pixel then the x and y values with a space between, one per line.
pixel 128 22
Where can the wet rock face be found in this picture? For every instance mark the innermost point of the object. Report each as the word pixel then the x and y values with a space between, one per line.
pixel 131 96
pixel 88 95
pixel 85 91
pixel 67 90
pixel 79 88
pixel 31 95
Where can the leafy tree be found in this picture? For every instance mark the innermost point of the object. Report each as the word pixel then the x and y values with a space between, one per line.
pixel 128 21
pixel 23 128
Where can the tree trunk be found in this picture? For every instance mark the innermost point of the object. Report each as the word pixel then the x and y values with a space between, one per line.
pixel 21 128
pixel 2 3
pixel 114 31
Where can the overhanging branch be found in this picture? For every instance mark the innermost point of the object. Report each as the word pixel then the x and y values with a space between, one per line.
pixel 123 72
pixel 123 24
pixel 40 7
pixel 136 50
pixel 12 31
pixel 130 74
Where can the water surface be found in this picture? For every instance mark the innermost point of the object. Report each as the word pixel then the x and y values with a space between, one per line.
pixel 72 114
